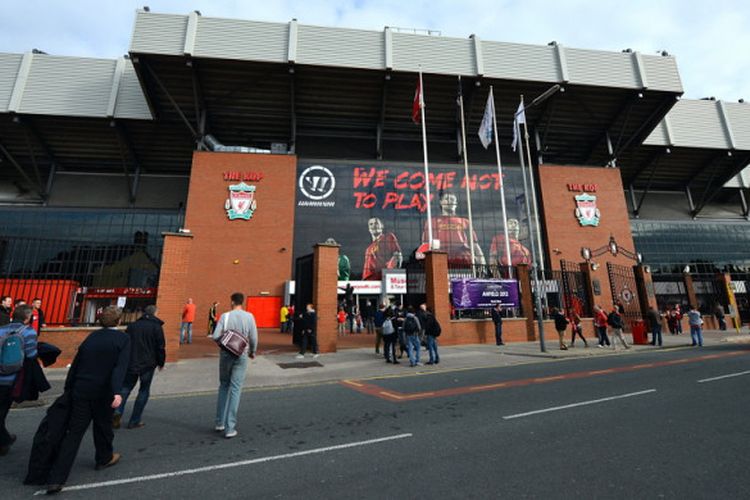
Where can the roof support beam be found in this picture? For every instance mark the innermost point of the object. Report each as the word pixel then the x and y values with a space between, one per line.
pixel 171 100
pixel 19 169
pixel 201 112
pixel 743 202
pixel 50 183
pixel 380 130
pixel 647 163
pixel 689 196
pixel 709 194
pixel 625 108
pixel 637 137
pixel 292 110
pixel 710 162
pixel 126 145
pixel 637 208
pixel 33 132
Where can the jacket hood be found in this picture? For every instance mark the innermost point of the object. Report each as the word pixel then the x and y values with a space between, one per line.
pixel 150 317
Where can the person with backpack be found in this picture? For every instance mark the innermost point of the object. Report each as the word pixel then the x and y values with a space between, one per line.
pixel 389 337
pixel 17 342
pixel 432 332
pixel 614 320
pixel 561 324
pixel 411 332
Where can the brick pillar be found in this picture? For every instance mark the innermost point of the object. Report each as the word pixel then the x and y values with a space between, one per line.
pixel 687 279
pixel 725 281
pixel 588 284
pixel 436 285
pixel 527 301
pixel 646 295
pixel 170 296
pixel 325 293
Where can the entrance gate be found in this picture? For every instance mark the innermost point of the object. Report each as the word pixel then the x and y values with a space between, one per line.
pixel 575 299
pixel 624 288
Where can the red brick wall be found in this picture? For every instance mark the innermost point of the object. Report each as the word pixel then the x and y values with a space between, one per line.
pixel 68 340
pixel 250 256
pixel 565 236
pixel 325 298
pixel 170 296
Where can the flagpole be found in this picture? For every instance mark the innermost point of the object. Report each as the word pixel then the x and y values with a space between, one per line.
pixel 533 194
pixel 466 176
pixel 502 181
pixel 426 167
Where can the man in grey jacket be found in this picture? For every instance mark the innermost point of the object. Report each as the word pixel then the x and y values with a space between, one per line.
pixel 232 368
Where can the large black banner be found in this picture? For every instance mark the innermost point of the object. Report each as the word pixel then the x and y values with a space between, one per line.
pixel 377 212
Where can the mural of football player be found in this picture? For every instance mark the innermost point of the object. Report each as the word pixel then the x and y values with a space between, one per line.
pixel 519 254
pixel 453 233
pixel 384 252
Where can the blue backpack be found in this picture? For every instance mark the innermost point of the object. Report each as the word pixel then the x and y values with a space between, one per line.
pixel 11 351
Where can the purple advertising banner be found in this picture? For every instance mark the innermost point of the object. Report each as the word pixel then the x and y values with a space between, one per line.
pixel 471 293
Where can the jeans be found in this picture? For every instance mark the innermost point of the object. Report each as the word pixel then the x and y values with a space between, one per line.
pixel 656 332
pixel 389 347
pixel 412 348
pixel 186 326
pixel 498 334
pixel 432 348
pixel 602 333
pixel 144 390
pixel 696 334
pixel 231 377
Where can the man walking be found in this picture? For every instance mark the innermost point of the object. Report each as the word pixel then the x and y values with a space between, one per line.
pixel 654 320
pixel 411 331
pixel 95 381
pixel 188 317
pixel 561 324
pixel 615 321
pixel 309 332
pixel 600 324
pixel 432 332
pixel 696 326
pixel 497 319
pixel 719 313
pixel 232 368
pixel 19 326
pixel 146 353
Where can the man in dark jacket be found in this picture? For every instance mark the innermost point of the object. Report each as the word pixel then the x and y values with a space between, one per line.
pixel 146 353
pixel 309 332
pixel 99 371
pixel 497 319
pixel 561 323
pixel 6 308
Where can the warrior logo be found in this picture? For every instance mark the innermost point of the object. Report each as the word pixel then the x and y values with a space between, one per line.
pixel 317 182
pixel 241 203
pixel 586 211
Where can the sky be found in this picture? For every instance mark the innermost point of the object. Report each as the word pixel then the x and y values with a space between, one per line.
pixel 711 40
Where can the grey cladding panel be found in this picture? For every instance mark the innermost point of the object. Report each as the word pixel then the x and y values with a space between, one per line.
pixel 604 69
pixel 697 124
pixel 739 118
pixel 348 48
pixel 159 34
pixel 436 54
pixel 241 40
pixel 514 61
pixel 658 137
pixel 662 73
pixel 130 100
pixel 70 86
pixel 9 64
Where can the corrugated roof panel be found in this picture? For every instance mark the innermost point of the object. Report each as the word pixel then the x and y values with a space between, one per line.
pixel 662 73
pixel 159 34
pixel 241 40
pixel 658 137
pixel 72 86
pixel 441 55
pixel 348 47
pixel 603 69
pixel 9 65
pixel 739 119
pixel 697 124
pixel 513 61
pixel 131 102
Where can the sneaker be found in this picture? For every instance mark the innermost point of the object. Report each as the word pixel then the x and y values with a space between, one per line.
pixel 136 426
pixel 219 428
pixel 53 489
pixel 430 363
pixel 600 346
pixel 299 356
pixel 316 356
pixel 396 362
pixel 230 435
pixel 115 458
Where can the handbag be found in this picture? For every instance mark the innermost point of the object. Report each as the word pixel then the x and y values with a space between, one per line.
pixel 232 341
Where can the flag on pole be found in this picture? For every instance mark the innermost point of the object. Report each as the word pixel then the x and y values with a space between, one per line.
pixel 520 118
pixel 418 104
pixel 485 129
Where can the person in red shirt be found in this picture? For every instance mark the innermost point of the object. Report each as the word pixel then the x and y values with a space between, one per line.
pixel 600 324
pixel 519 254
pixel 37 316
pixel 188 316
pixel 383 253
pixel 341 320
pixel 453 233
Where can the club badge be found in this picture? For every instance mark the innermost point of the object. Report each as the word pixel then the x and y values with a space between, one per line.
pixel 241 203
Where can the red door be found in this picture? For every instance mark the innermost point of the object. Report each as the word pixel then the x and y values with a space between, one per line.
pixel 265 310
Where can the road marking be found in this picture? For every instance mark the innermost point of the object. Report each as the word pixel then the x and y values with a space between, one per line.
pixel 730 375
pixel 209 468
pixel 582 403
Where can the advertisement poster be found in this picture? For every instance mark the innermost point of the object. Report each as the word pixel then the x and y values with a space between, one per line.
pixel 377 212
pixel 473 293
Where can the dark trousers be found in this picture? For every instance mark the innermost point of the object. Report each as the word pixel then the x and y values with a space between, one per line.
pixel 311 339
pixel 84 411
pixel 498 334
pixel 144 391
pixel 5 402
pixel 577 329
pixel 602 333
pixel 722 323
pixel 389 346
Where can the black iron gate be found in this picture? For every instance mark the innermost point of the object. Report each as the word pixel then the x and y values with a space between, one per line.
pixel 575 298
pixel 625 292
pixel 415 283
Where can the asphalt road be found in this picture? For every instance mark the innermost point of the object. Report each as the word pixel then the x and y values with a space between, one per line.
pixel 652 425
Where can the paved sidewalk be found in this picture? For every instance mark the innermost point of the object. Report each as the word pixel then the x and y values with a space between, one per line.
pixel 273 370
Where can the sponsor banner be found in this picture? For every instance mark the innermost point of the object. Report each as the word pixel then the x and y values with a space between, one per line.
pixel 395 281
pixel 473 293
pixel 130 292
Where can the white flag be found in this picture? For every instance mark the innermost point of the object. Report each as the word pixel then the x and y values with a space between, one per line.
pixel 519 119
pixel 485 129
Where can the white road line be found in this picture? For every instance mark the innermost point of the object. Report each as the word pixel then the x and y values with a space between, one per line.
pixel 582 403
pixel 209 468
pixel 730 375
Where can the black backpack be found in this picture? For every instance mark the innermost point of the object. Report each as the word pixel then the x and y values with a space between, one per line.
pixel 434 328
pixel 411 327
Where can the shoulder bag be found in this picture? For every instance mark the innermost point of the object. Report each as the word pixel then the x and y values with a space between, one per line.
pixel 232 341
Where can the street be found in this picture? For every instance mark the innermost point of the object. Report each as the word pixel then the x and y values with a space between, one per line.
pixel 655 424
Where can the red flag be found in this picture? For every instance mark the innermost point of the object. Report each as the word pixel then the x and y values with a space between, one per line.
pixel 416 107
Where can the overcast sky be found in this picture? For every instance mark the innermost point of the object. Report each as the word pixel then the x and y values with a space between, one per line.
pixel 711 40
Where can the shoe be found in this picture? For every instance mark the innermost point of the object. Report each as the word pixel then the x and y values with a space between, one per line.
pixel 600 346
pixel 437 362
pixel 377 351
pixel 230 435
pixel 418 363
pixel 412 365
pixel 430 363
pixel 388 361
pixel 54 488
pixel 396 362
pixel 116 420
pixel 136 426
pixel 299 356
pixel 316 356
pixel 115 458
pixel 219 428
pixel 586 346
